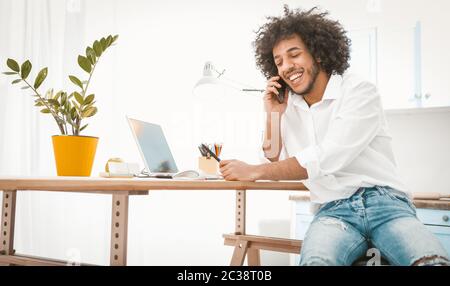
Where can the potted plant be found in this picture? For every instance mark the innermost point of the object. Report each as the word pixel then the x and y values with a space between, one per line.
pixel 74 154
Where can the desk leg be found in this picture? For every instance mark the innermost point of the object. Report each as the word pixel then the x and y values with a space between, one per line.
pixel 240 248
pixel 119 230
pixel 240 212
pixel 8 220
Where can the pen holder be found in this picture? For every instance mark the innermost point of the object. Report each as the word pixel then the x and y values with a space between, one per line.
pixel 208 165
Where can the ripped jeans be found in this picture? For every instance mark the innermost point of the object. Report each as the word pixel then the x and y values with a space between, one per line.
pixel 378 218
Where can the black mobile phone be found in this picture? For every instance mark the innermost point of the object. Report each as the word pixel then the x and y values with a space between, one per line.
pixel 281 91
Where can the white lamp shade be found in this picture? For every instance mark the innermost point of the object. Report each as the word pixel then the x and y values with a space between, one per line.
pixel 208 80
pixel 209 85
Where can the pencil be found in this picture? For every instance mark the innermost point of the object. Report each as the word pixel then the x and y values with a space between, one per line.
pixel 206 149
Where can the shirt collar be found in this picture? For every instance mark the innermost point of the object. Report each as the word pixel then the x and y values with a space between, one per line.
pixel 332 91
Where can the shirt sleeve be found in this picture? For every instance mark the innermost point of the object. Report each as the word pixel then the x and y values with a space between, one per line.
pixel 263 158
pixel 355 125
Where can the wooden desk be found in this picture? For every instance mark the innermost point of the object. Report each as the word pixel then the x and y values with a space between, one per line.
pixel 120 189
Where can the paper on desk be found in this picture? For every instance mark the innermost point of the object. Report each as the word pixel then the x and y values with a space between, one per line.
pixel 117 169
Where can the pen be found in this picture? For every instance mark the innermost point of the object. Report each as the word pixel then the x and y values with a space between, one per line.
pixel 218 148
pixel 206 149
pixel 201 151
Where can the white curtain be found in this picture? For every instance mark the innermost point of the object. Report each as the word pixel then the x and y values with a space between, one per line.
pixel 49 33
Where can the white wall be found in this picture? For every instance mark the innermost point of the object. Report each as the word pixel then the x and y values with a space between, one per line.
pixel 149 74
pixel 421 146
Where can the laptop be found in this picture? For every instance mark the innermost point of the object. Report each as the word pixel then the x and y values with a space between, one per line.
pixel 154 150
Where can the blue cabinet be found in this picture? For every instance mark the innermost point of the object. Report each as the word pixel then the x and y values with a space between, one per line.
pixel 438 222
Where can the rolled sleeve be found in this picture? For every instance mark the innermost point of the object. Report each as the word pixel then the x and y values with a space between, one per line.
pixel 309 159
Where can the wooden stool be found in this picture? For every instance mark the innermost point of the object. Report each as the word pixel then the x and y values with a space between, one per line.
pixel 250 245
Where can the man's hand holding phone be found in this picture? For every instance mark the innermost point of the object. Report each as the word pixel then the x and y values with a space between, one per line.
pixel 276 95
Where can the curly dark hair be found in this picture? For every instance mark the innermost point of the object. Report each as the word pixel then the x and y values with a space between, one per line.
pixel 325 39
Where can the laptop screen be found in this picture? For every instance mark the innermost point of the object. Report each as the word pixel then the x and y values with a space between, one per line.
pixel 153 147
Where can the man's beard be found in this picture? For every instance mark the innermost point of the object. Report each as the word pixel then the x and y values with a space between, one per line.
pixel 313 77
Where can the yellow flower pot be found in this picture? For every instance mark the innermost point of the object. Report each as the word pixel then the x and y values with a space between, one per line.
pixel 74 155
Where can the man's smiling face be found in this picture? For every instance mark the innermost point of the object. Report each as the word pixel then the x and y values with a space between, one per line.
pixel 295 64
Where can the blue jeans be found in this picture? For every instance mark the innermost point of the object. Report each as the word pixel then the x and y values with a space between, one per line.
pixel 379 219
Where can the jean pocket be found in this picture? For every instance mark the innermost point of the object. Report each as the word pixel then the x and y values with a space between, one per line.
pixel 330 206
pixel 404 199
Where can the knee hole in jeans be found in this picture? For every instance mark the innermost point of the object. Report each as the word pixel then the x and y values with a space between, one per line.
pixel 433 260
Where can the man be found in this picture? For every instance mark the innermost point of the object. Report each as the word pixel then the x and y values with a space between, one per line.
pixel 330 131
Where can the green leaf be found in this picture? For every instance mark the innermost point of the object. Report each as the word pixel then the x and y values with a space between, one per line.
pixel 63 99
pixel 26 69
pixel 84 63
pixel 69 119
pixel 9 73
pixel 89 112
pixel 109 40
pixel 73 112
pixel 53 102
pixel 40 78
pixel 90 54
pixel 12 64
pixel 58 95
pixel 115 38
pixel 97 49
pixel 67 106
pixel 75 104
pixel 16 81
pixel 89 99
pixel 39 102
pixel 79 97
pixel 76 81
pixel 103 44
pixel 82 128
pixel 25 87
pixel 45 110
pixel 49 93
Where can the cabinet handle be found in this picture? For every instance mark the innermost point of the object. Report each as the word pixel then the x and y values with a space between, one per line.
pixel 445 218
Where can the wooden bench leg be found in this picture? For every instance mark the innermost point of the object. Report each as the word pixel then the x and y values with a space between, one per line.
pixel 253 257
pixel 240 250
pixel 119 230
pixel 254 244
pixel 8 221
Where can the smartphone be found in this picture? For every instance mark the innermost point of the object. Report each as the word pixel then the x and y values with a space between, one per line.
pixel 281 90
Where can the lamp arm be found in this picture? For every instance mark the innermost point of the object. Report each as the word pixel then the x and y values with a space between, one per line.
pixel 218 72
pixel 248 89
pixel 252 89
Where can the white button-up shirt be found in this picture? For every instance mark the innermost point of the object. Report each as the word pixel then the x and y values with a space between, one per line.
pixel 342 141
